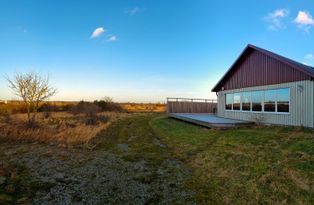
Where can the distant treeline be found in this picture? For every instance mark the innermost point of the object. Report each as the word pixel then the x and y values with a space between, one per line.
pixel 13 107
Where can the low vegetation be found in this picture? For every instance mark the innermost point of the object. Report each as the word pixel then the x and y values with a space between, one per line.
pixel 61 128
pixel 147 158
pixel 144 107
pixel 265 165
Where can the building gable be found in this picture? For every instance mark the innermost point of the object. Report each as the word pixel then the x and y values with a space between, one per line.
pixel 258 67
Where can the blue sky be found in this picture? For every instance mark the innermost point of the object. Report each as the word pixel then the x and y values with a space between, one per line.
pixel 145 51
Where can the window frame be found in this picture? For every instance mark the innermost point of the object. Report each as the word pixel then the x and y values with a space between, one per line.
pixel 250 94
pixel 289 101
pixel 226 101
pixel 262 101
pixel 275 101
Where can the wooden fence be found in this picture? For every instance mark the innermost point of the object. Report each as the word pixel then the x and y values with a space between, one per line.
pixel 191 105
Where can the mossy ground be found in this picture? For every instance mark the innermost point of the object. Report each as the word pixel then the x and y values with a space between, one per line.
pixel 172 162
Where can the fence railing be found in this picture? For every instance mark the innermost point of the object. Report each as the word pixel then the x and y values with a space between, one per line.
pixel 191 105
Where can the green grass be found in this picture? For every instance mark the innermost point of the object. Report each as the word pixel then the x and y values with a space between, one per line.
pixel 258 165
pixel 266 165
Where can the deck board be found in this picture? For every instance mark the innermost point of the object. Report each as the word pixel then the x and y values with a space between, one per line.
pixel 209 120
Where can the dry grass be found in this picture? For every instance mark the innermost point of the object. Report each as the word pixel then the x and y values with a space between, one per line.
pixel 61 127
pixel 19 107
pixel 144 107
pixel 16 106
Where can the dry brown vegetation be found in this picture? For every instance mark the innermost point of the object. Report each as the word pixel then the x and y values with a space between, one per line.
pixel 66 123
pixel 60 127
pixel 16 106
pixel 144 107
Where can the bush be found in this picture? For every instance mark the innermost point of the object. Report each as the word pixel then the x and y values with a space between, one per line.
pixel 89 110
pixel 107 104
pixel 5 115
pixel 47 109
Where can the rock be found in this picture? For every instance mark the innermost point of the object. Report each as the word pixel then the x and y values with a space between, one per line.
pixel 59 177
pixel 123 147
pixel 158 143
pixel 22 200
pixel 2 180
pixel 132 138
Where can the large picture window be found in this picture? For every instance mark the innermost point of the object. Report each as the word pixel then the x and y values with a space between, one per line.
pixel 257 97
pixel 275 100
pixel 246 101
pixel 283 100
pixel 229 101
pixel 270 101
pixel 236 101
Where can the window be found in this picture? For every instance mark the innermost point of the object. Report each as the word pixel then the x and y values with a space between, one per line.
pixel 246 101
pixel 236 101
pixel 283 98
pixel 270 101
pixel 275 100
pixel 229 101
pixel 257 101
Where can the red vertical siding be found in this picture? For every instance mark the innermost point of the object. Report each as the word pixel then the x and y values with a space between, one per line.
pixel 258 69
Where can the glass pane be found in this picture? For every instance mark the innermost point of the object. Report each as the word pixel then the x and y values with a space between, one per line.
pixel 269 101
pixel 246 101
pixel 229 100
pixel 269 107
pixel 270 96
pixel 282 107
pixel 283 98
pixel 256 100
pixel 236 101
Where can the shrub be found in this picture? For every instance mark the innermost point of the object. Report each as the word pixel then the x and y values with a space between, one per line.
pixel 89 110
pixel 47 109
pixel 5 115
pixel 107 104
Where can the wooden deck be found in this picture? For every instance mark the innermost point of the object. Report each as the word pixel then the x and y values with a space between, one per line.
pixel 209 120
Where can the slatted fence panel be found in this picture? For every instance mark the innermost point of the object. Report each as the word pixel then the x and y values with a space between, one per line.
pixel 186 105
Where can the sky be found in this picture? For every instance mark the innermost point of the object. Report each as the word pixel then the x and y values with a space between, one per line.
pixel 144 50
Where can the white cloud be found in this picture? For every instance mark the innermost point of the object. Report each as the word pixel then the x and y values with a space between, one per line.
pixel 112 38
pixel 304 20
pixel 308 56
pixel 275 19
pixel 97 32
pixel 133 11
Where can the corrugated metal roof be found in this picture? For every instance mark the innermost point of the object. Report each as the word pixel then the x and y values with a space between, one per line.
pixel 308 70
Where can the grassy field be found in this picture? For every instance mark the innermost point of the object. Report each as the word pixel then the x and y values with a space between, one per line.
pixel 265 165
pixel 166 161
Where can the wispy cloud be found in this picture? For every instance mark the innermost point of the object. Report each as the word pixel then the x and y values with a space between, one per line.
pixel 133 11
pixel 112 38
pixel 97 32
pixel 309 56
pixel 275 19
pixel 304 20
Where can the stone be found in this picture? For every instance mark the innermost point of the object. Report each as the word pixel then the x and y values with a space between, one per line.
pixel 2 180
pixel 123 147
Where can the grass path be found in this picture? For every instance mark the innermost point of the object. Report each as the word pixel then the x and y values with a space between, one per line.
pixel 150 159
pixel 128 166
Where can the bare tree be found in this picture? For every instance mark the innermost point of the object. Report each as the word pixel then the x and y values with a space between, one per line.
pixel 33 89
